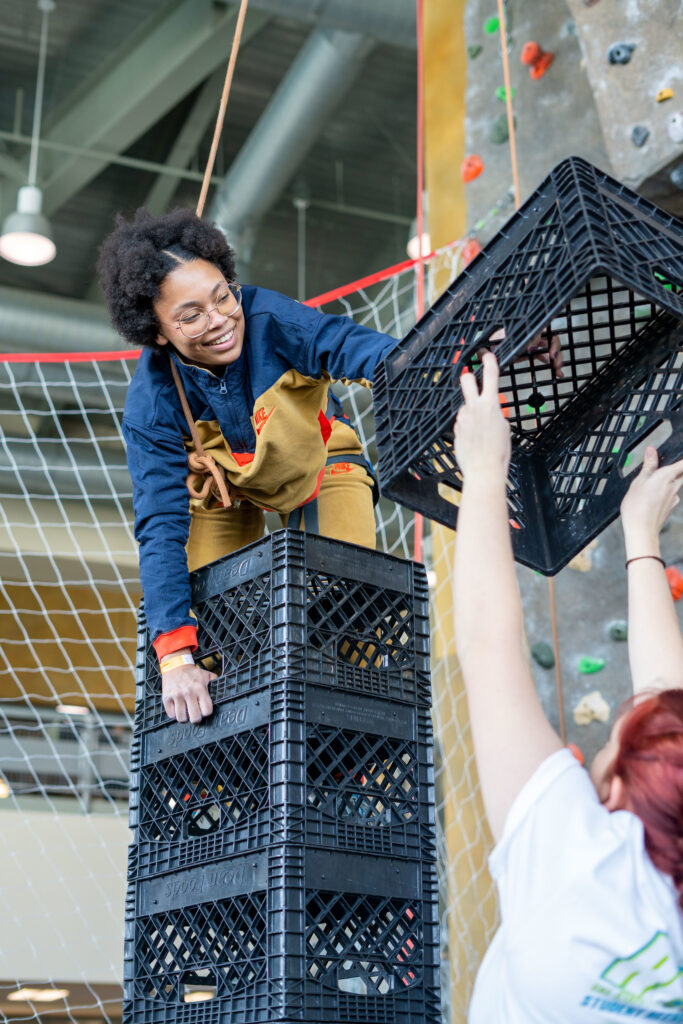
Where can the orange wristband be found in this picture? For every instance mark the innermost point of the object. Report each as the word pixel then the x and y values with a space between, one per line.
pixel 172 661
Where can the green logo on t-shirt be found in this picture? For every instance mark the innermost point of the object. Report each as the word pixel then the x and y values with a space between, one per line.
pixel 650 967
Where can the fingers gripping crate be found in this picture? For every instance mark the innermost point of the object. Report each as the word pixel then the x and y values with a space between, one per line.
pixel 306 607
pixel 596 265
pixel 287 934
pixel 289 763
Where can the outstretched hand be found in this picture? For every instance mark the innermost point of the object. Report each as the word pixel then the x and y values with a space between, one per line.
pixel 482 434
pixel 649 502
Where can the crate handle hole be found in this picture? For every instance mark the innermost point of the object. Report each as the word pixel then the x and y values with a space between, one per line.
pixel 667 279
pixel 198 986
pixel 632 458
pixel 202 821
pixel 212 662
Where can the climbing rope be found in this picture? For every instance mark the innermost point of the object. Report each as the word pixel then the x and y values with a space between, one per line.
pixel 223 106
pixel 518 202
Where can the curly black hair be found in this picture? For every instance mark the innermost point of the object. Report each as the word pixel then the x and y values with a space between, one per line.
pixel 136 257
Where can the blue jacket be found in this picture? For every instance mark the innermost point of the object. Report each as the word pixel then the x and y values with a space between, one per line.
pixel 263 420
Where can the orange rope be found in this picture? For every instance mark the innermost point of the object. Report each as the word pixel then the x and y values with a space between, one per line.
pixel 508 101
pixel 518 202
pixel 223 105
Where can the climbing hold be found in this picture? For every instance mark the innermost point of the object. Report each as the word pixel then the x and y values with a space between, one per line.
pixel 618 630
pixel 474 51
pixel 584 560
pixel 590 3
pixel 499 129
pixel 675 582
pixel 471 167
pixel 620 53
pixel 587 666
pixel 536 59
pixel 536 401
pixel 591 707
pixel 664 94
pixel 471 249
pixel 543 654
pixel 577 752
pixel 530 53
pixel 639 135
pixel 676 176
pixel 675 127
pixel 491 25
pixel 501 94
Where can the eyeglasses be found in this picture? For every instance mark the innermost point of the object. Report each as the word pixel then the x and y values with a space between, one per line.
pixel 195 322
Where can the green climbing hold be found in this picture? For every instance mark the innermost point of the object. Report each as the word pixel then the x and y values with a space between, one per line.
pixel 589 665
pixel 543 654
pixel 474 51
pixel 491 26
pixel 618 630
pixel 499 129
pixel 500 93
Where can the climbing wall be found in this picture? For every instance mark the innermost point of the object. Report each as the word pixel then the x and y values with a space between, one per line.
pixel 591 607
pixel 633 53
pixel 555 115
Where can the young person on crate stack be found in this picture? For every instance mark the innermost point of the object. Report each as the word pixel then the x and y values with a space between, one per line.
pixel 263 430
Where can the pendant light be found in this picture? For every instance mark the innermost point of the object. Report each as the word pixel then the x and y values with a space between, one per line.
pixel 26 236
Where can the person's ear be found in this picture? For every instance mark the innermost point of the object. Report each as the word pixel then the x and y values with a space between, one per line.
pixel 616 796
pixel 161 340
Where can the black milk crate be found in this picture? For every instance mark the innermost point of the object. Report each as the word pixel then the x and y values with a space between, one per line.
pixel 288 763
pixel 595 264
pixel 285 934
pixel 306 607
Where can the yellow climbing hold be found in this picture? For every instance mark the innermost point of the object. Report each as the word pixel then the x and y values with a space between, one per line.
pixel 664 94
pixel 592 707
pixel 584 560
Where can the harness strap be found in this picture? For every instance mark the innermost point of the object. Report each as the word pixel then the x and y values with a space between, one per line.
pixel 205 476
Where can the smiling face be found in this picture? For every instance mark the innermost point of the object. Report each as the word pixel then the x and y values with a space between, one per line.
pixel 199 285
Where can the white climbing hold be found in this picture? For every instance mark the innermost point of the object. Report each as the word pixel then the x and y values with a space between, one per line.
pixel 675 127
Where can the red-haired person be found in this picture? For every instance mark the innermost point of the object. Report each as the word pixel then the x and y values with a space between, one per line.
pixel 589 866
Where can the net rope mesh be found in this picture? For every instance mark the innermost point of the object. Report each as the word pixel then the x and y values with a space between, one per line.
pixel 69 591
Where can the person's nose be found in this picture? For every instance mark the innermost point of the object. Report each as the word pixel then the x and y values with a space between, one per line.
pixel 216 319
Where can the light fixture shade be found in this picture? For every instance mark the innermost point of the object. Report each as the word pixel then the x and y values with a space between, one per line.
pixel 26 234
pixel 413 246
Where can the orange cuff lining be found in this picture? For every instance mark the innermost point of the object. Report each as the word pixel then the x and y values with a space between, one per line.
pixel 169 643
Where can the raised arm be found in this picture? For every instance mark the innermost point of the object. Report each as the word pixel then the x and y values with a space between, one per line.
pixel 655 644
pixel 511 733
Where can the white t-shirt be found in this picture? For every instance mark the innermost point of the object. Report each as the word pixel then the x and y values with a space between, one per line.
pixel 591 931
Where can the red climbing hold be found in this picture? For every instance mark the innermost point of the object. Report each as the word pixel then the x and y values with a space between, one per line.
pixel 536 59
pixel 675 582
pixel 471 249
pixel 577 752
pixel 471 167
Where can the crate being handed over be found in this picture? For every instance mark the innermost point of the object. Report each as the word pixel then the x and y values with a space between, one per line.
pixel 589 261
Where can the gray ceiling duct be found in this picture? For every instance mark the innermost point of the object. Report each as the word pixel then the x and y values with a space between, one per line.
pixel 36 322
pixel 315 84
pixel 386 21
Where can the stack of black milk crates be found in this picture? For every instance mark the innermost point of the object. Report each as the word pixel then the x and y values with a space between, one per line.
pixel 283 863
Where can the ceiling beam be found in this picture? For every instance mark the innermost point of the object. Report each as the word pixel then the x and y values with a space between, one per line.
pixel 167 63
pixel 187 141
